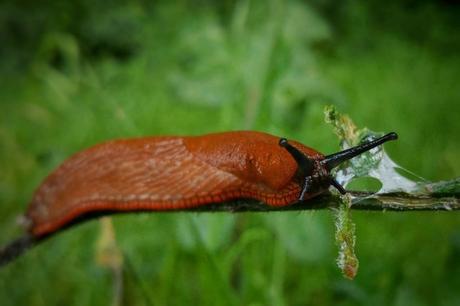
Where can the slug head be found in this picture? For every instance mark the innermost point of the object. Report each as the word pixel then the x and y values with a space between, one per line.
pixel 316 174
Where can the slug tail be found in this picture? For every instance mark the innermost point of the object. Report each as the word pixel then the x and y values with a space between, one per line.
pixel 16 248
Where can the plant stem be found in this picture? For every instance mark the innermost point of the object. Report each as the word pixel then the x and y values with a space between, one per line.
pixel 361 201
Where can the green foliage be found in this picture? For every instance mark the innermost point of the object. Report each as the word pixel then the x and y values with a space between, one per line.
pixel 76 73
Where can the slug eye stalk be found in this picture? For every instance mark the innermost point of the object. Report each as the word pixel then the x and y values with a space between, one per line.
pixel 333 160
pixel 307 165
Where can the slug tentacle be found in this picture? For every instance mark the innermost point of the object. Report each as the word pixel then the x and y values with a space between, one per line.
pixel 316 175
pixel 306 165
pixel 312 173
pixel 333 160
pixel 338 186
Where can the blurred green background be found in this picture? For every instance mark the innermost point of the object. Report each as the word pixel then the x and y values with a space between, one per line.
pixel 74 73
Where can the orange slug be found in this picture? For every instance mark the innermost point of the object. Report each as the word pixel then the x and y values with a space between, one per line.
pixel 177 173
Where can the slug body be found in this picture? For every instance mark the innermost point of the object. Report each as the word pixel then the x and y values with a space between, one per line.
pixel 167 173
pixel 176 173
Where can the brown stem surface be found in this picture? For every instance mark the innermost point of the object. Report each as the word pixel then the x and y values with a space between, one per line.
pixel 361 201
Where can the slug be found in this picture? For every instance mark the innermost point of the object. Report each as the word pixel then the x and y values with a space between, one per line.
pixel 177 173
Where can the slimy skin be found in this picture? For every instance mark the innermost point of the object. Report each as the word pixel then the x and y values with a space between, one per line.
pixel 168 173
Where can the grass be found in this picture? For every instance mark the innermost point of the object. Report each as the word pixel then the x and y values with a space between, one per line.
pixel 260 66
